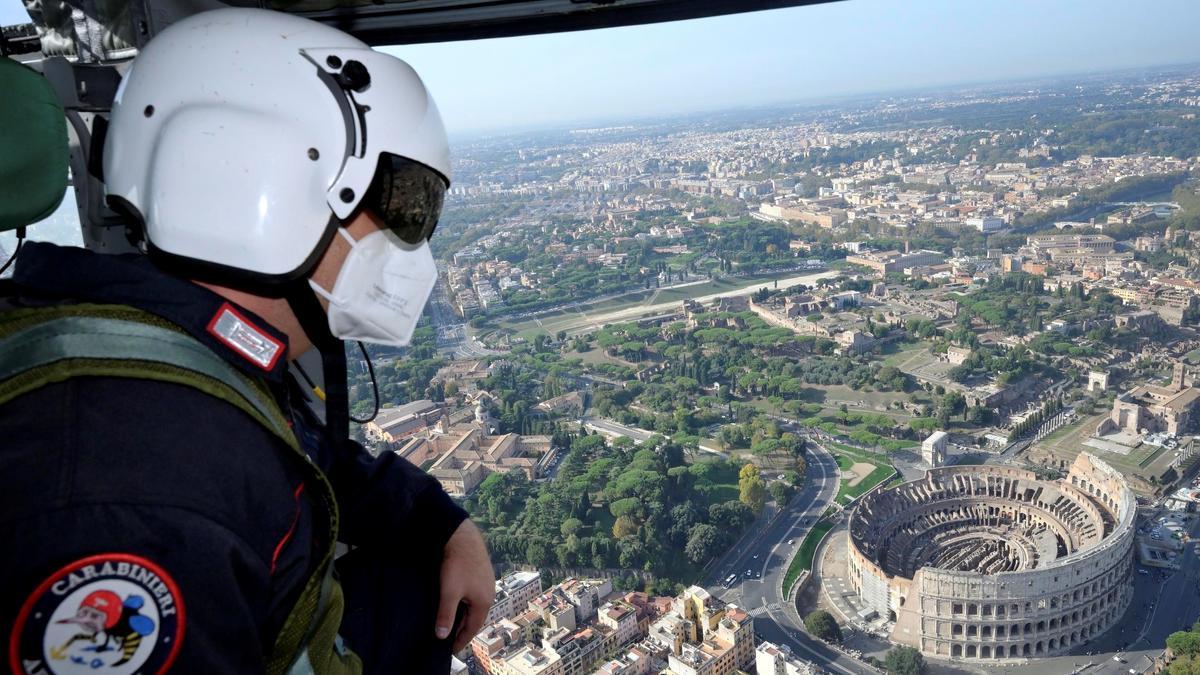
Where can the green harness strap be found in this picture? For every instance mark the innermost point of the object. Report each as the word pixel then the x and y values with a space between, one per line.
pixel 51 344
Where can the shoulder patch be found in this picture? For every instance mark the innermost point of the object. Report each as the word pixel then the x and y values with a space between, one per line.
pixel 240 334
pixel 110 614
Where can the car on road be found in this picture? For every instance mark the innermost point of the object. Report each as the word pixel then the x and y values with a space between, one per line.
pixel 791 541
pixel 749 574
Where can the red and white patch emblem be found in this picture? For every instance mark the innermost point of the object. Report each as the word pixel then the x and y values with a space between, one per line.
pixel 109 614
pixel 241 335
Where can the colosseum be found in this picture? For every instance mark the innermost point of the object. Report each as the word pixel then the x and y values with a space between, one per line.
pixel 992 563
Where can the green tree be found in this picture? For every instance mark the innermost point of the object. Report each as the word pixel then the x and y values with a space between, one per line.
pixel 630 506
pixel 571 526
pixel 904 661
pixel 781 492
pixel 978 415
pixel 538 553
pixel 703 543
pixel 731 516
pixel 624 527
pixel 1184 665
pixel 752 490
pixel 1184 643
pixel 821 624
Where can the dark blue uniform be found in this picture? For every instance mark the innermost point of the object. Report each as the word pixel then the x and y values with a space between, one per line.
pixel 198 507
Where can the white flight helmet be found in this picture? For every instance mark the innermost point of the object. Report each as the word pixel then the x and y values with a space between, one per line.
pixel 239 137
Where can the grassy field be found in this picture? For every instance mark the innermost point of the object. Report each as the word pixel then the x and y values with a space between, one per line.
pixel 1150 457
pixel 725 484
pixel 846 456
pixel 596 356
pixel 898 353
pixel 1070 437
pixel 621 301
pixel 846 492
pixel 1060 433
pixel 833 395
pixel 697 290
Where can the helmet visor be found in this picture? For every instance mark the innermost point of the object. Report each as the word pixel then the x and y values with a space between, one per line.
pixel 407 196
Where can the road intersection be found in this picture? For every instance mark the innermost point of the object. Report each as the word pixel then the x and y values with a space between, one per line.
pixel 766 553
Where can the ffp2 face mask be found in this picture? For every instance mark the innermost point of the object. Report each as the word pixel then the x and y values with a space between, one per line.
pixel 381 289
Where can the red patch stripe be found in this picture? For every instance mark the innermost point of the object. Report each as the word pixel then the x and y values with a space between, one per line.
pixel 287 536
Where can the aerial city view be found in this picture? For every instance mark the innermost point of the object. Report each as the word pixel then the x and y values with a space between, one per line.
pixel 897 384
pixel 899 379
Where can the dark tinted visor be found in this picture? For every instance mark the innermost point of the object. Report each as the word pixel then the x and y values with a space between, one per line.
pixel 407 196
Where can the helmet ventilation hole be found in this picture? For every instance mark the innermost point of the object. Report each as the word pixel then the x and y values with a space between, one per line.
pixel 313 154
pixel 347 195
pixel 148 111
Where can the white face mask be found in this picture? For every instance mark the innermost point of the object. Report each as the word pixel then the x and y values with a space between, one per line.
pixel 381 289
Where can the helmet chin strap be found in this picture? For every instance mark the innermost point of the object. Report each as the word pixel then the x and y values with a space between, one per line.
pixel 311 315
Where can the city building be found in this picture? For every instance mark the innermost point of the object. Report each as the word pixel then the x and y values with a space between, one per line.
pixel 572 628
pixel 957 355
pixel 394 424
pixel 1040 245
pixel 704 636
pixel 854 342
pixel 462 455
pixel 885 262
pixel 985 224
pixel 513 593
pixel 569 404
pixel 773 659
pixel 1173 409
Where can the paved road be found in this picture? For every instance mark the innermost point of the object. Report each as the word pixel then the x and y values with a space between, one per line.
pixel 766 553
pixel 454 337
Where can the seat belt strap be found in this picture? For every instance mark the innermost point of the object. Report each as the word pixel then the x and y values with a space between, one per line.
pixel 100 339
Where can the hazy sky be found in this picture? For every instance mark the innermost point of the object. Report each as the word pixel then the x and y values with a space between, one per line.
pixel 857 46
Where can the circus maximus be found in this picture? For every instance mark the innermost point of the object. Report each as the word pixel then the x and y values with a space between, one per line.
pixel 991 563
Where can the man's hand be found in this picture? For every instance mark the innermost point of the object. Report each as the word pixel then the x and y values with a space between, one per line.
pixel 467 577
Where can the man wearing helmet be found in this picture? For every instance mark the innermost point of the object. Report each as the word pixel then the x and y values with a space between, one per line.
pixel 283 180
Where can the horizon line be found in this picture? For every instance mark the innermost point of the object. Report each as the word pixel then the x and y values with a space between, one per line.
pixel 485 133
